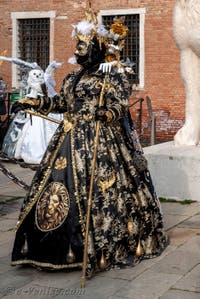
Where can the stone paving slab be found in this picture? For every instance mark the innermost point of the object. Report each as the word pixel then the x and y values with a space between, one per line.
pixel 115 297
pixel 5 264
pixel 148 285
pixel 12 215
pixel 128 273
pixel 10 190
pixel 6 249
pixel 177 294
pixel 6 236
pixel 99 288
pixel 182 260
pixel 171 221
pixel 7 224
pixel 193 222
pixel 175 208
pixel 131 273
pixel 58 279
pixel 10 206
pixel 7 187
pixel 11 280
pixel 32 291
pixel 180 235
pixel 191 281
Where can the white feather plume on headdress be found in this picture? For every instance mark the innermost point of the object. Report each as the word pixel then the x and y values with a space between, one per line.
pixel 101 30
pixel 83 27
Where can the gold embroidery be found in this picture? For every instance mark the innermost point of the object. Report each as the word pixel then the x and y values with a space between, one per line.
pixel 67 125
pixel 88 117
pixel 61 163
pixel 52 208
pixel 47 265
pixel 42 183
pixel 76 193
pixel 104 185
pixel 31 102
pixel 130 227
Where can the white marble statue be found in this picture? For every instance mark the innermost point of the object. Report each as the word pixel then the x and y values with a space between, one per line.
pixel 186 28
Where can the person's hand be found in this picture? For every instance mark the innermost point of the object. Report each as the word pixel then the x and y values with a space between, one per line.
pixel 103 114
pixel 17 106
pixel 106 67
pixel 24 104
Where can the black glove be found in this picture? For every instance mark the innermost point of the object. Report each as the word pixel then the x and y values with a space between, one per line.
pixel 17 106
pixel 23 104
pixel 103 114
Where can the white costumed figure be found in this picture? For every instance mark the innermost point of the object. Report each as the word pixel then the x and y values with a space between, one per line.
pixel 37 132
pixel 30 142
pixel 186 26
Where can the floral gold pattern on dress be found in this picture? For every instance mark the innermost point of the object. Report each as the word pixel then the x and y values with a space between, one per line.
pixel 104 185
pixel 52 207
pixel 88 117
pixel 131 227
pixel 60 163
pixel 67 125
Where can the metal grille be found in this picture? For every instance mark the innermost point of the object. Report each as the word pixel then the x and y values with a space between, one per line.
pixel 131 49
pixel 34 38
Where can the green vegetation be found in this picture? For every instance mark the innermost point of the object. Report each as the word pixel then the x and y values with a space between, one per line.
pixel 182 202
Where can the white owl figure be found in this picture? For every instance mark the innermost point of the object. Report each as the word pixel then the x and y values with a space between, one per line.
pixel 36 76
pixel 35 79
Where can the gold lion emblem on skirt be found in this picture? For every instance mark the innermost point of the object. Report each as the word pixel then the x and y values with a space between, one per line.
pixel 52 207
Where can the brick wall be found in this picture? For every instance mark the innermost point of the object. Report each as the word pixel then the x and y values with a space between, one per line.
pixel 163 82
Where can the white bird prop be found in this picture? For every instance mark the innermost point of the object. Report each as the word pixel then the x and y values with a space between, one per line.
pixel 36 76
pixel 35 80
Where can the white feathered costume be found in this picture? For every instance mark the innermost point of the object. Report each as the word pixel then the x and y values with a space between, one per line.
pixel 30 142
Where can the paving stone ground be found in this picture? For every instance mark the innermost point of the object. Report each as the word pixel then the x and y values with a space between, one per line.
pixel 173 275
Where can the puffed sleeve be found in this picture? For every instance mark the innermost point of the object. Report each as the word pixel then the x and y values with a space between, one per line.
pixel 117 95
pixel 57 103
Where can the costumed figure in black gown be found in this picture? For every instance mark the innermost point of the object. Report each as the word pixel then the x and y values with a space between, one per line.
pixel 126 223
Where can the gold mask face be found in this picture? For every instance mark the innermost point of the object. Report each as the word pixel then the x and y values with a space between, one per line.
pixel 81 48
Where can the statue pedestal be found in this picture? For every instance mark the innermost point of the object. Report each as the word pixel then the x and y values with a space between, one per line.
pixel 175 170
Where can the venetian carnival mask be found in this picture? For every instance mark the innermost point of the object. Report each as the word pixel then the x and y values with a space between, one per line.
pixel 81 48
pixel 95 43
pixel 89 54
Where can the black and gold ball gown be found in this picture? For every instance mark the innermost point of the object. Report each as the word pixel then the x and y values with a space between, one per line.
pixel 125 212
